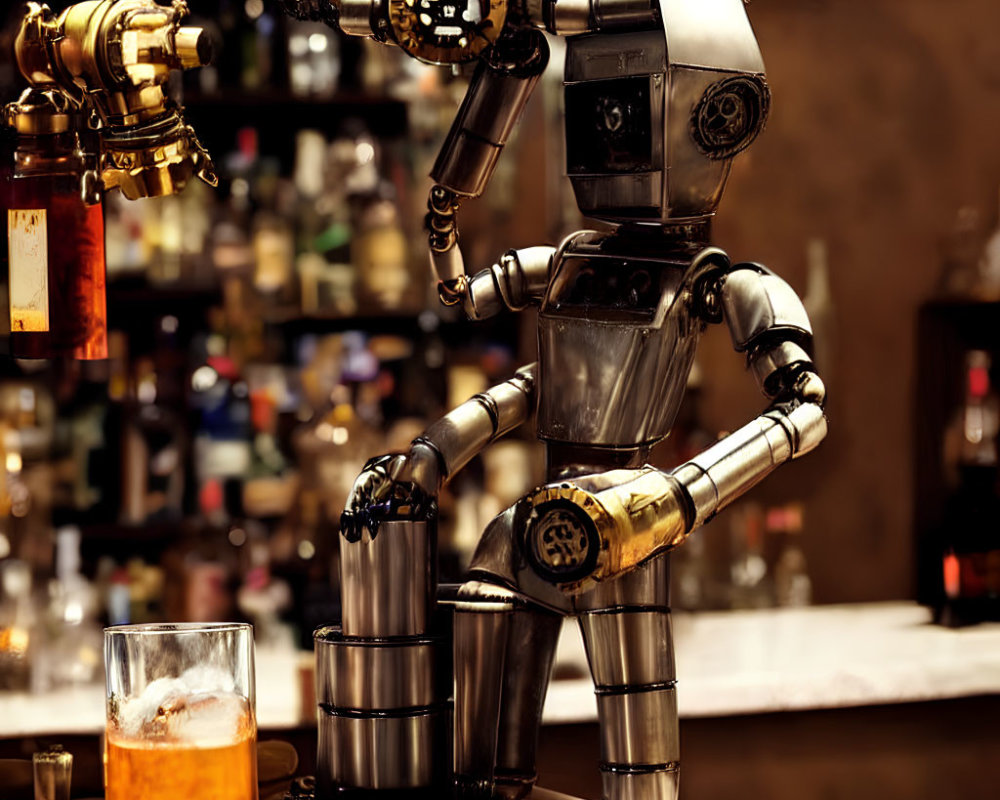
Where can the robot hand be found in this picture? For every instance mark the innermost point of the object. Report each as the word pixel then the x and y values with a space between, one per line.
pixel 400 486
pixel 403 486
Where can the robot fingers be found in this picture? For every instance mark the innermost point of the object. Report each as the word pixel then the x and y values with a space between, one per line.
pixel 386 490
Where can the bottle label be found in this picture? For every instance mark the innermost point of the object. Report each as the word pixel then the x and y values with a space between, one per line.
pixel 972 576
pixel 28 249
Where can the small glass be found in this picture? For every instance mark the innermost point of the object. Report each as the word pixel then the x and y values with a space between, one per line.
pixel 181 712
pixel 53 770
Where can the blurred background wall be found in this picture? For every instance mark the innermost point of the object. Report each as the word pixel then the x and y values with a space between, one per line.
pixel 885 121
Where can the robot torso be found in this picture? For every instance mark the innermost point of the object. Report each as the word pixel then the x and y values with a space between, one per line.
pixel 617 335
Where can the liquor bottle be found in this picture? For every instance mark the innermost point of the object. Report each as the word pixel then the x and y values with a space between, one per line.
pixel 989 267
pixel 971 556
pixel 17 617
pixel 818 302
pixel 55 233
pixel 152 454
pixel 313 59
pixel 751 583
pixel 71 646
pixel 792 585
pixel 201 565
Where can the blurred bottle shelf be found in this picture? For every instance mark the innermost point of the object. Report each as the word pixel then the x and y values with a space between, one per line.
pixel 382 115
pixel 137 300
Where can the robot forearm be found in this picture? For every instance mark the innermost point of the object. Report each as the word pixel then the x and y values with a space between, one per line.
pixel 403 486
pixel 462 433
pixel 600 526
pixel 716 477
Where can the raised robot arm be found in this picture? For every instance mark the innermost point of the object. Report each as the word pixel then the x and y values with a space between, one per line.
pixel 512 54
pixel 596 527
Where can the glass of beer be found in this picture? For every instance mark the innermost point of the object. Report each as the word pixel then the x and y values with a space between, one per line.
pixel 181 714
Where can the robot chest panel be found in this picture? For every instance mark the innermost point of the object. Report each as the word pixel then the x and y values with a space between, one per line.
pixel 616 339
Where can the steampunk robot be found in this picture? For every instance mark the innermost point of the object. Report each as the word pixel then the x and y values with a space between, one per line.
pixel 660 95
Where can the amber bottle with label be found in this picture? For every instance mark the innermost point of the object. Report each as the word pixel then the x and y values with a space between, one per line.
pixel 55 236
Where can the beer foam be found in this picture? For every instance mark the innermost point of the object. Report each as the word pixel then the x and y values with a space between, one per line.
pixel 199 704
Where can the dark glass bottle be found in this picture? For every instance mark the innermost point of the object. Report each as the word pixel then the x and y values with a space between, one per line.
pixel 971 557
pixel 55 235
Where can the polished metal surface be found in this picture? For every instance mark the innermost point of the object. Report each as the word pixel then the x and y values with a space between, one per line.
pixel 480 631
pixel 734 465
pixel 698 58
pixel 531 646
pixel 628 647
pixel 806 426
pixel 466 164
pixel 379 675
pixel 694 181
pixel 379 752
pixel 504 647
pixel 639 728
pixel 594 528
pixel 646 585
pixel 387 580
pixel 523 275
pixel 113 60
pixel 771 360
pixel 660 96
pixel 712 34
pixel 355 17
pixel 447 264
pixel 517 279
pixel 654 785
pixel 482 299
pixel 755 303
pixel 493 103
pixel 462 433
pixel 569 17
pixel 615 55
pixel 608 377
pixel 612 196
pixel 729 468
pixel 610 14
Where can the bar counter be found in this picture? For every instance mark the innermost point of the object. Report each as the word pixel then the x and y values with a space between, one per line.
pixel 860 701
pixel 728 663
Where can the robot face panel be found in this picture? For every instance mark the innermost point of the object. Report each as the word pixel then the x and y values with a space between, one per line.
pixel 612 122
pixel 654 116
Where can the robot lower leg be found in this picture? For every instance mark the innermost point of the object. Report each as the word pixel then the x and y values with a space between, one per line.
pixel 504 646
pixel 626 630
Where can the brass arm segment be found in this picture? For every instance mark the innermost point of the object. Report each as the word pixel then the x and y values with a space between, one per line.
pixel 114 56
pixel 599 526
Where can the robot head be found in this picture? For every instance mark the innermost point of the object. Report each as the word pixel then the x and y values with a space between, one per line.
pixel 655 115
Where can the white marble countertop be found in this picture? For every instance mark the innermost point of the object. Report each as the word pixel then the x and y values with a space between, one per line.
pixel 727 663
pixel 746 662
